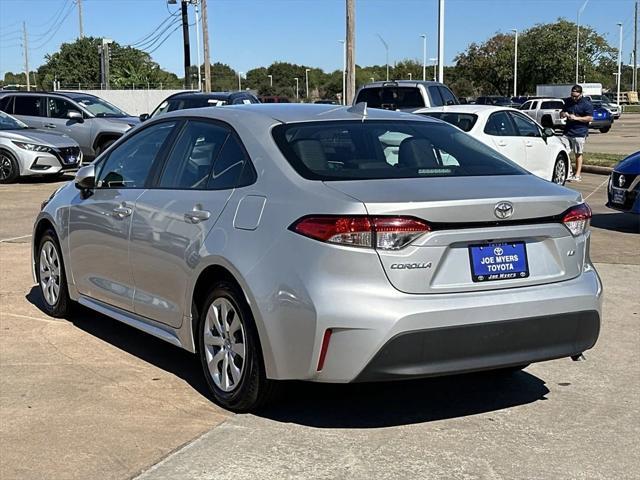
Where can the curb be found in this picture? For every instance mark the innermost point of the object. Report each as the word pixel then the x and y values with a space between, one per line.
pixel 597 169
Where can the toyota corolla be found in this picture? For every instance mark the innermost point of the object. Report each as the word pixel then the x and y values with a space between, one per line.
pixel 322 243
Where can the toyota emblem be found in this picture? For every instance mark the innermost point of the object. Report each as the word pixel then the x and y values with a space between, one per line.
pixel 498 251
pixel 621 181
pixel 503 210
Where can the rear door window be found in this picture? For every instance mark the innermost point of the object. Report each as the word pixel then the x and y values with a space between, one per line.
pixel 29 105
pixel 553 105
pixel 6 104
pixel 435 96
pixel 464 121
pixel 228 167
pixel 499 124
pixel 59 108
pixel 526 128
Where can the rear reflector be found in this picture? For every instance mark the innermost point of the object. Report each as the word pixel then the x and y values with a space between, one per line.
pixel 323 348
pixel 577 219
pixel 383 233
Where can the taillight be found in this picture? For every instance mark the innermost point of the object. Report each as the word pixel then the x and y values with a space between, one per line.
pixel 577 219
pixel 383 233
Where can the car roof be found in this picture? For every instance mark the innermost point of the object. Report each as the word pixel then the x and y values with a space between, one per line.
pixel 293 113
pixel 212 95
pixel 71 95
pixel 466 108
pixel 401 83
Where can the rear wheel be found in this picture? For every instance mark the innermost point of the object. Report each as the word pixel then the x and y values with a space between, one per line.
pixel 560 170
pixel 51 276
pixel 229 351
pixel 9 169
pixel 605 129
pixel 104 146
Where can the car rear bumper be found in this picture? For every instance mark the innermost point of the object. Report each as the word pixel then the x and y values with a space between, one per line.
pixel 600 123
pixel 466 348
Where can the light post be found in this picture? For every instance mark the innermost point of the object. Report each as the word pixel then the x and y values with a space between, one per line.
pixel 619 65
pixel 297 90
pixel 270 80
pixel 386 47
pixel 240 80
pixel 372 79
pixel 424 56
pixel 515 66
pixel 435 63
pixel 306 80
pixel 410 76
pixel 580 10
pixel 344 69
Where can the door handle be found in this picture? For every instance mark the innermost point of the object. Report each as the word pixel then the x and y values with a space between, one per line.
pixel 122 212
pixel 49 125
pixel 528 143
pixel 197 216
pixel 502 143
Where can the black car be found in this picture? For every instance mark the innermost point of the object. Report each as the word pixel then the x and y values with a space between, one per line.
pixel 183 100
pixel 624 185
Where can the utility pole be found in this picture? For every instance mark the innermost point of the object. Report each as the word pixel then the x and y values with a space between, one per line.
pixel 344 71
pixel 515 66
pixel 106 57
pixel 186 45
pixel 619 65
pixel 635 50
pixel 26 54
pixel 80 18
pixel 205 41
pixel 195 4
pixel 351 52
pixel 441 41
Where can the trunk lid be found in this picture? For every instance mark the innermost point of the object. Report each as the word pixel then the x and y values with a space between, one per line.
pixel 461 211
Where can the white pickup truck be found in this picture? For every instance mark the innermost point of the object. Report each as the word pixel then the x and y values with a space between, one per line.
pixel 545 111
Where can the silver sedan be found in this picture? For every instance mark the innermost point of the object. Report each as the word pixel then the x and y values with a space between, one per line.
pixel 322 243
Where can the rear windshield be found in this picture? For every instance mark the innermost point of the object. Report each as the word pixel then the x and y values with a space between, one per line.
pixel 391 98
pixel 378 149
pixel 556 105
pixel 464 121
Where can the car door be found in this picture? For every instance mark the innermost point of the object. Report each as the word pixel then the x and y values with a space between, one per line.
pixel 172 219
pixel 100 223
pixel 58 121
pixel 504 137
pixel 538 154
pixel 30 109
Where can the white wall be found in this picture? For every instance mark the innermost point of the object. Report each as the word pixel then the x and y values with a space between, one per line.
pixel 134 102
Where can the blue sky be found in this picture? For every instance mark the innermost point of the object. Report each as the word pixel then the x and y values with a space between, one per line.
pixel 250 33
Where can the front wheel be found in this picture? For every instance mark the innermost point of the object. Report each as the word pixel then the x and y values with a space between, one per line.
pixel 605 129
pixel 560 171
pixel 229 351
pixel 51 276
pixel 9 169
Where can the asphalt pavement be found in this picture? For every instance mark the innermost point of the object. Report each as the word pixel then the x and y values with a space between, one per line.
pixel 87 397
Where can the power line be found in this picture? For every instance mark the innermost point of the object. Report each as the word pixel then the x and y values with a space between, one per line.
pixel 156 36
pixel 153 32
pixel 54 18
pixel 59 26
pixel 55 23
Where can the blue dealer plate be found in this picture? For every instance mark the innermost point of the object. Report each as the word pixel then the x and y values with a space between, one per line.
pixel 498 261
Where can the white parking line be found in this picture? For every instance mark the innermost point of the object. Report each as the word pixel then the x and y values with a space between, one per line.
pixel 14 238
pixel 597 188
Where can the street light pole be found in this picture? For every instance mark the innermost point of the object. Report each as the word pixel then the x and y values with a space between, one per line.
pixel 240 80
pixel 344 70
pixel 410 76
pixel 306 80
pixel 424 56
pixel 434 60
pixel 270 80
pixel 297 91
pixel 580 10
pixel 515 66
pixel 441 41
pixel 619 64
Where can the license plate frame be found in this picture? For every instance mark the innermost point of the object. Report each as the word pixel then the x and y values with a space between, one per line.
pixel 482 271
pixel 619 196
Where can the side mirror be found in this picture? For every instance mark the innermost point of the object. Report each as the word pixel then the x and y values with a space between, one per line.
pixel 75 115
pixel 86 178
pixel 549 132
pixel 143 117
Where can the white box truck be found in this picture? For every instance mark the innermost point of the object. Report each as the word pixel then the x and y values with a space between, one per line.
pixel 563 90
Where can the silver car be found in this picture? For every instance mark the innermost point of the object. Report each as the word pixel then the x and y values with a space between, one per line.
pixel 26 152
pixel 319 243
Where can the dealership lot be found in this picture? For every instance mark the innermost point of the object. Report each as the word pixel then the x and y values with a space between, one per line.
pixel 91 398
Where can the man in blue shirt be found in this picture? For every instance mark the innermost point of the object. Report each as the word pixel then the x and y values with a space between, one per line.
pixel 579 112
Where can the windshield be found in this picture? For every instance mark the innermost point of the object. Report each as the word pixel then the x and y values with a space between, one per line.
pixel 377 149
pixel 553 105
pixel 464 121
pixel 7 122
pixel 99 107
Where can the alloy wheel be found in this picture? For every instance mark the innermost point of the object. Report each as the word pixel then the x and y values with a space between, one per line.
pixel 6 167
pixel 225 344
pixel 560 172
pixel 50 273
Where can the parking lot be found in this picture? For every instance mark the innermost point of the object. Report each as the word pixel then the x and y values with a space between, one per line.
pixel 622 138
pixel 88 397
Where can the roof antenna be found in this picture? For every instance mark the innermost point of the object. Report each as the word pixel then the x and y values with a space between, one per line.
pixel 359 109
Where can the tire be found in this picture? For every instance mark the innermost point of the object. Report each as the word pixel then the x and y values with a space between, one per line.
pixel 9 168
pixel 50 273
pixel 232 345
pixel 560 170
pixel 104 146
pixel 605 129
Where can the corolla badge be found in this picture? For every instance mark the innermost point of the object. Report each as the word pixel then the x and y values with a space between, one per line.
pixel 503 210
pixel 621 181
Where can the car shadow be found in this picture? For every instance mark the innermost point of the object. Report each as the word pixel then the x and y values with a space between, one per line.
pixel 30 180
pixel 146 347
pixel 365 405
pixel 619 222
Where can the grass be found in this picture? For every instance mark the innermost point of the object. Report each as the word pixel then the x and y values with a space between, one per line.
pixel 602 159
pixel 631 109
